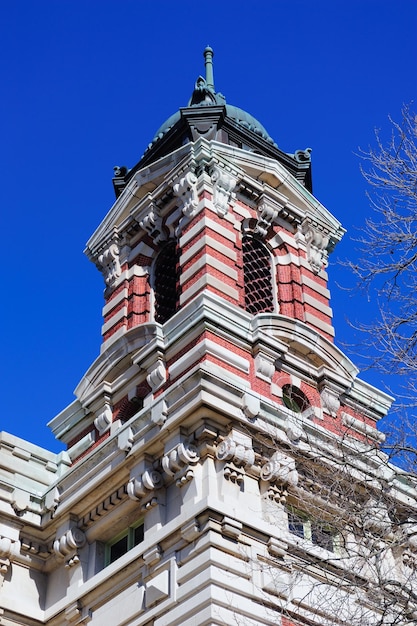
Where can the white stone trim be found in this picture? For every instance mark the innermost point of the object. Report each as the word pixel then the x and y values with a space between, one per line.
pixel 316 304
pixel 362 428
pixel 213 262
pixel 312 284
pixel 206 240
pixel 81 446
pixel 318 323
pixel 206 223
pixel 207 347
pixel 141 248
pixel 240 210
pixel 114 319
pixel 109 306
pixel 205 281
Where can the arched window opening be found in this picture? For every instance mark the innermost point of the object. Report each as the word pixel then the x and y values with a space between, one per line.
pixel 257 276
pixel 165 283
pixel 294 399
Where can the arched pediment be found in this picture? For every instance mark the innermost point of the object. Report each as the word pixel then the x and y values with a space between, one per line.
pixel 306 343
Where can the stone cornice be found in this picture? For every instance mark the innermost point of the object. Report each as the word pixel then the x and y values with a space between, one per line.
pixel 228 167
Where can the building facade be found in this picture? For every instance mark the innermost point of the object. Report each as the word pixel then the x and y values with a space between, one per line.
pixel 223 462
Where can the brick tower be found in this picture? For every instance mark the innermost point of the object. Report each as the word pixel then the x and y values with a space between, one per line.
pixel 206 440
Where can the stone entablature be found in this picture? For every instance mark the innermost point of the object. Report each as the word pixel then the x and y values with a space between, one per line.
pixel 171 467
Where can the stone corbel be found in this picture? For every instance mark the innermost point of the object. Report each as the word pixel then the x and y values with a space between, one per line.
pixel 264 367
pixel 409 559
pixel 223 186
pixel 280 472
pixel 374 518
pixel 104 419
pixel 66 547
pixel 152 223
pixel 237 450
pixel 179 462
pixel 109 264
pixel 186 190
pixel 142 488
pixel 330 400
pixel 251 405
pixel 157 374
pixel 317 242
pixel 9 549
pixel 267 214
pixel 52 499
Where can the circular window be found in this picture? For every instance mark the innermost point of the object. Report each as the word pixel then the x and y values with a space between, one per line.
pixel 294 398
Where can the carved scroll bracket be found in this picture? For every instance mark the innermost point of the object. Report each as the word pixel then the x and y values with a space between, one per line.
pixel 317 243
pixel 142 488
pixel 157 374
pixel 104 418
pixel 280 472
pixel 186 190
pixel 66 547
pixel 109 264
pixel 152 223
pixel 237 450
pixel 267 213
pixel 179 462
pixel 223 186
pixel 9 549
pixel 330 399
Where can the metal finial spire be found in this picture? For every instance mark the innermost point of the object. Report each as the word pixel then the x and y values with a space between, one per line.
pixel 208 60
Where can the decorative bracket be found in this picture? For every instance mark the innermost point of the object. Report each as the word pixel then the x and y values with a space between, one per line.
pixel 67 546
pixel 104 419
pixel 157 374
pixel 267 214
pixel 152 223
pixel 9 549
pixel 330 400
pixel 109 264
pixel 280 473
pixel 317 244
pixel 223 185
pixel 142 487
pixel 237 449
pixel 186 190
pixel 179 461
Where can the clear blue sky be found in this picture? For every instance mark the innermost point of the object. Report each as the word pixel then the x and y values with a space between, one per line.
pixel 86 83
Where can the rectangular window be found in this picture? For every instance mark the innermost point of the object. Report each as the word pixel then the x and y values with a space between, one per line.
pixel 123 542
pixel 318 532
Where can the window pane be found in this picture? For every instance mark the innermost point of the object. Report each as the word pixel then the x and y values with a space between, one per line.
pixel 118 549
pixel 137 535
pixel 296 524
pixel 322 537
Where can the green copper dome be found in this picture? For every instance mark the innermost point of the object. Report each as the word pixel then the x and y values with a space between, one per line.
pixel 204 95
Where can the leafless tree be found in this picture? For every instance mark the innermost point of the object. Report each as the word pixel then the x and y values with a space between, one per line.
pixel 387 266
pixel 350 554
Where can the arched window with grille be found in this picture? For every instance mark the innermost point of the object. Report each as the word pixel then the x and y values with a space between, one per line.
pixel 257 274
pixel 165 283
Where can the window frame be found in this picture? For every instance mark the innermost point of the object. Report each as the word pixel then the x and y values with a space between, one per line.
pixel 129 533
pixel 313 529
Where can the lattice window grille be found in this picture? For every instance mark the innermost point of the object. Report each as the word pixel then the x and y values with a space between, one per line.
pixel 165 283
pixel 259 293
